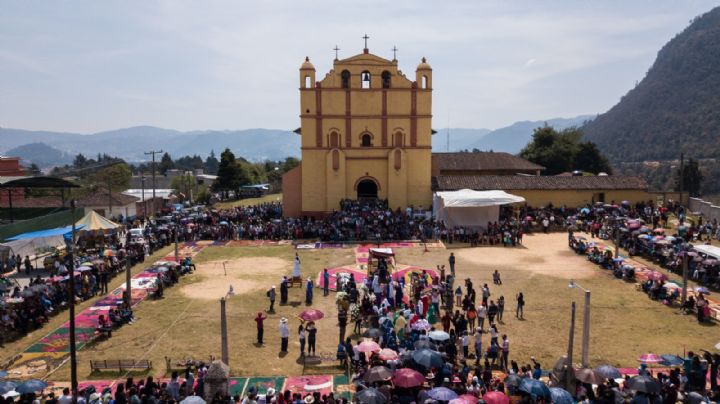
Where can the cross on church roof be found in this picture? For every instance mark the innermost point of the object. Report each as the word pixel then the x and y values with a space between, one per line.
pixel 336 49
pixel 366 37
pixel 394 49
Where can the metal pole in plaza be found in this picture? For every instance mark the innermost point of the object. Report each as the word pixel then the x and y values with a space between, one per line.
pixel 71 307
pixel 177 255
pixel 153 174
pixel 223 333
pixel 571 342
pixel 128 285
pixel 586 324
pixel 685 277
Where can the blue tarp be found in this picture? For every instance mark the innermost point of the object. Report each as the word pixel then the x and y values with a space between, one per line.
pixel 61 231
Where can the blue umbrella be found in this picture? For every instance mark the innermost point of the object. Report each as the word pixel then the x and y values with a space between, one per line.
pixel 442 394
pixel 560 396
pixel 534 387
pixel 427 358
pixel 370 396
pixel 608 372
pixel 3 373
pixel 31 386
pixel 6 387
pixel 672 360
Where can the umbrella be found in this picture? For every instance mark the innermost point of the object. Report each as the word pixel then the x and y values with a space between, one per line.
pixel 421 325
pixel 427 358
pixel 618 259
pixel 11 394
pixel 649 358
pixel 108 253
pixel 534 387
pixel 223 223
pixel 424 344
pixel 703 290
pixel 439 335
pixel 465 399
pixel 83 268
pixel 659 230
pixel 388 354
pixel 6 387
pixel 672 360
pixel 31 386
pixel 512 380
pixel 529 218
pixel 608 372
pixel 370 396
pixel 696 398
pixel 717 346
pixel 645 384
pixel 368 346
pixel 3 373
pixel 710 262
pixel 311 315
pixel 408 378
pixel 634 225
pixel 589 376
pixel 442 394
pixel 193 400
pixel 496 397
pixel 372 333
pixel 378 374
pixel 560 396
pixel 656 276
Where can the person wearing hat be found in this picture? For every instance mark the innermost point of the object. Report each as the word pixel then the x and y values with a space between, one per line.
pixel 309 291
pixel 271 297
pixel 309 399
pixel 251 397
pixel 284 334
pixel 284 290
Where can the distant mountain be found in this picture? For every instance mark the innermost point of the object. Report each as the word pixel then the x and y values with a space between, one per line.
pixel 675 107
pixel 40 154
pixel 131 143
pixel 460 138
pixel 513 138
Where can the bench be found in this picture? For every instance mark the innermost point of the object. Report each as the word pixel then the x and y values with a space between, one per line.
pixel 120 364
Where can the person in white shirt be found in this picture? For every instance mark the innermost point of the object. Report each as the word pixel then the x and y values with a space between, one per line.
pixel 284 334
pixel 66 398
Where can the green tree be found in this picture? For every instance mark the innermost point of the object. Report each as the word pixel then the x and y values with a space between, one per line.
pixel 166 163
pixel 691 176
pixel 211 163
pixel 563 151
pixel 186 185
pixel 80 161
pixel 116 176
pixel 229 173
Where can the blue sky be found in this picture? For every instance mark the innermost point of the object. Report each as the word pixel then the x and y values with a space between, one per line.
pixel 87 66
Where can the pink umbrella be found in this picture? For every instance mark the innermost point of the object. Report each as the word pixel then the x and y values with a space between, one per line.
pixel 650 358
pixel 659 230
pixel 464 399
pixel 408 378
pixel 388 354
pixel 368 346
pixel 496 397
pixel 311 315
pixel 656 276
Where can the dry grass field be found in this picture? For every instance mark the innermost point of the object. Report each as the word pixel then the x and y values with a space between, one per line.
pixel 185 323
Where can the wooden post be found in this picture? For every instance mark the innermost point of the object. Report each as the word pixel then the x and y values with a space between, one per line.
pixel 223 333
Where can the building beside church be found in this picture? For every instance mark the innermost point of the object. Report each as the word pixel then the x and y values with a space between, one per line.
pixel 366 133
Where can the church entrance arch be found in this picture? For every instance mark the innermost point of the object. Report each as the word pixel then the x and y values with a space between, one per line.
pixel 367 189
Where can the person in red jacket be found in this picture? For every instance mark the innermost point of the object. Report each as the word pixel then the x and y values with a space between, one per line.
pixel 259 320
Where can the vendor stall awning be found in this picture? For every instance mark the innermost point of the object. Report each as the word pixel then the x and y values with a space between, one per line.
pixel 471 208
pixel 469 198
pixel 61 231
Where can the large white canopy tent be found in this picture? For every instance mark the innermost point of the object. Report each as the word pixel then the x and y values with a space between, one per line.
pixel 470 208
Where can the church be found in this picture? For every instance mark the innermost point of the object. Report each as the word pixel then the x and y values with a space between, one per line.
pixel 365 133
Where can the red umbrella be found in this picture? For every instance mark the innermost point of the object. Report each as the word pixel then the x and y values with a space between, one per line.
pixel 650 358
pixel 311 315
pixel 368 346
pixel 408 378
pixel 388 354
pixel 496 397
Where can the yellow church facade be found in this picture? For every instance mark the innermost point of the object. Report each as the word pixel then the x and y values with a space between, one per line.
pixel 366 133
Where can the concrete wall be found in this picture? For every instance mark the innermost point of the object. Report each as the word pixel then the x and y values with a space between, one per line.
pixel 708 210
pixel 571 198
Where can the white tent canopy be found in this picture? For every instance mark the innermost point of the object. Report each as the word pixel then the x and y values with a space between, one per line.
pixel 471 208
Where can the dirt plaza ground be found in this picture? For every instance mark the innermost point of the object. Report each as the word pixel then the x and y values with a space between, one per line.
pixel 185 323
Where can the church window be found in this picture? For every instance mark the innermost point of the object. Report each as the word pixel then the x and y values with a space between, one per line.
pixel 345 75
pixel 365 79
pixel 366 140
pixel 398 159
pixel 308 83
pixel 424 82
pixel 334 140
pixel 398 139
pixel 335 160
pixel 386 79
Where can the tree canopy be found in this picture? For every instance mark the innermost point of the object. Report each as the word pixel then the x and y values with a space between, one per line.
pixel 563 151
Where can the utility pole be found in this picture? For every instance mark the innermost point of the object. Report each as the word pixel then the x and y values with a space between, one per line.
pixel 569 370
pixel 71 306
pixel 223 334
pixel 153 152
pixel 586 324
pixel 142 185
pixel 682 180
pixel 685 277
pixel 128 284
pixel 109 215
